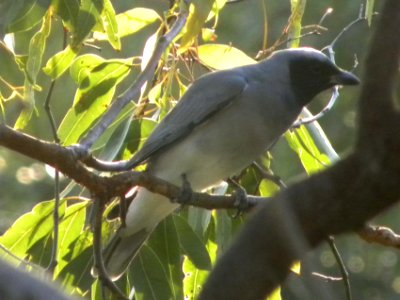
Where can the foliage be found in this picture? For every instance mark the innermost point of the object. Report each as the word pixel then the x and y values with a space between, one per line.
pixel 180 253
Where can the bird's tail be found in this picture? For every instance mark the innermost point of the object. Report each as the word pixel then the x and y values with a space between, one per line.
pixel 144 213
pixel 120 251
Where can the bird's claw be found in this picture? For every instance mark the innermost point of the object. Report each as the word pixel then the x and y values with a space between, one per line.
pixel 241 203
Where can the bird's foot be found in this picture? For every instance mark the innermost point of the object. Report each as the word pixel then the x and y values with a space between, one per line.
pixel 241 203
pixel 186 191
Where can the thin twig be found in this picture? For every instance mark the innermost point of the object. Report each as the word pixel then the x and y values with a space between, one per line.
pixel 53 259
pixel 330 49
pixel 326 278
pixel 97 249
pixel 134 90
pixel 269 176
pixel 342 267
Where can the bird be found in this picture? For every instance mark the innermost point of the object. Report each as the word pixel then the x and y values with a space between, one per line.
pixel 224 121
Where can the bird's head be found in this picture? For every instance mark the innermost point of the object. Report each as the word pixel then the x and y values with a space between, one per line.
pixel 312 72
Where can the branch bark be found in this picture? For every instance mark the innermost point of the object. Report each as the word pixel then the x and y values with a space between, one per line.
pixel 65 160
pixel 338 200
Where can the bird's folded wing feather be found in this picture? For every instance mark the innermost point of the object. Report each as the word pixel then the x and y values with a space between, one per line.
pixel 205 97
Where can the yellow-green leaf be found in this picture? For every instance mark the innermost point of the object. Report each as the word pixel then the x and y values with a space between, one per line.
pixel 131 21
pixel 110 25
pixel 59 63
pixel 294 27
pixel 29 228
pixel 198 13
pixel 36 49
pixel 219 56
pixel 97 79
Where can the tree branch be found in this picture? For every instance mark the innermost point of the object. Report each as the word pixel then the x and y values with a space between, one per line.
pixel 64 160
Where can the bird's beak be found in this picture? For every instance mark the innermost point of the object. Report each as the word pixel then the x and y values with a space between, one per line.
pixel 344 78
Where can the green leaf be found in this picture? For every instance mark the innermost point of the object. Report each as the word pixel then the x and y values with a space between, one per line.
pixel 88 18
pixel 76 272
pixel 114 134
pixel 131 21
pixel 218 5
pixel 60 62
pixel 275 295
pixel 199 219
pixel 96 290
pixel 97 79
pixel 220 57
pixel 199 11
pixel 68 10
pixel 165 244
pixel 223 229
pixel 30 228
pixel 149 276
pixel 302 143
pixel 294 27
pixel 70 228
pixel 194 277
pixel 193 280
pixel 22 15
pixel 37 46
pixel 192 244
pixel 369 11
pixel 267 188
pixel 11 76
pixel 110 25
pixel 139 131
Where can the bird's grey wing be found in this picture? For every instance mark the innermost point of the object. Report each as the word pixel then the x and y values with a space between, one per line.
pixel 207 95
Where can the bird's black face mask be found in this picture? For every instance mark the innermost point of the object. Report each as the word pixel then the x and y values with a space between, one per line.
pixel 310 76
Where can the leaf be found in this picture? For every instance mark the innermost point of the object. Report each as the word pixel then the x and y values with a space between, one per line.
pixel 296 267
pixel 76 272
pixel 267 188
pixel 30 228
pixel 294 26
pixel 275 295
pixel 68 10
pixel 131 21
pixel 223 229
pixel 193 280
pixel 11 76
pixel 59 63
pixel 198 13
pixel 369 11
pixel 149 276
pixel 97 79
pixel 220 57
pixel 192 244
pixel 302 143
pixel 218 5
pixel 23 15
pixel 139 131
pixel 110 25
pixel 165 244
pixel 199 219
pixel 88 18
pixel 37 46
pixel 70 228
